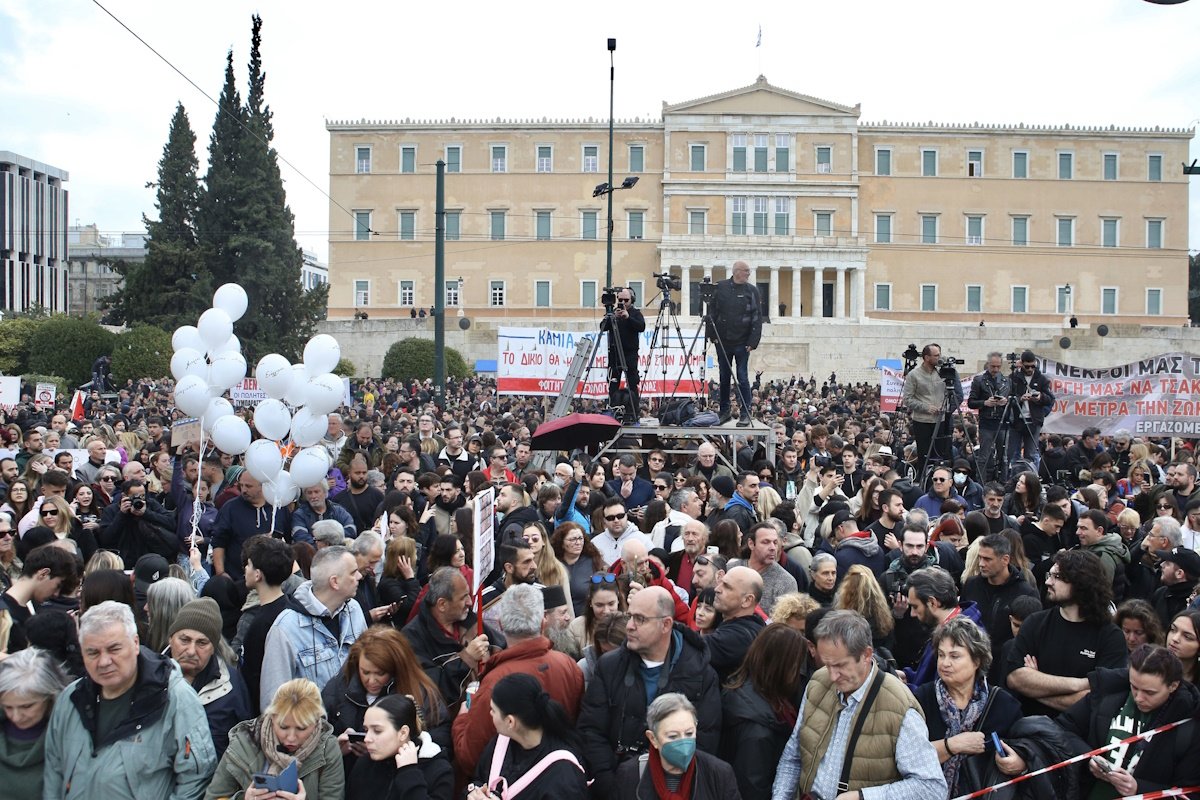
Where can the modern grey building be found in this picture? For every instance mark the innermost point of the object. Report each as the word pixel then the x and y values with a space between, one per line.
pixel 33 234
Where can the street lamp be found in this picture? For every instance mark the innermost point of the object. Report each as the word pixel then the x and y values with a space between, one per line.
pixel 461 311
pixel 608 188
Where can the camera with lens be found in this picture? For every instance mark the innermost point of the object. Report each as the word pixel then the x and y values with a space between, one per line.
pixel 137 503
pixel 947 367
pixel 667 282
pixel 708 290
pixel 608 297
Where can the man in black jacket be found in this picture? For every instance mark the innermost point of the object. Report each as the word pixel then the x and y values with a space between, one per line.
pixel 993 590
pixel 736 316
pixel 136 525
pixel 989 395
pixel 1032 389
pixel 737 597
pixel 630 323
pixel 658 656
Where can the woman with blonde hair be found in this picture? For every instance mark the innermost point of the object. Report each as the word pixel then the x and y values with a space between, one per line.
pixel 292 728
pixel 793 608
pixel 103 560
pixel 859 591
pixel 55 513
pixel 550 569
pixel 35 468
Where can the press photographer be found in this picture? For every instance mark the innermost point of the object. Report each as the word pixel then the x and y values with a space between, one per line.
pixel 736 317
pixel 990 393
pixel 931 394
pixel 1032 389
pixel 626 319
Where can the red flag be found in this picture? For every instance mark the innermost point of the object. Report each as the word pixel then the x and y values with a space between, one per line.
pixel 77 406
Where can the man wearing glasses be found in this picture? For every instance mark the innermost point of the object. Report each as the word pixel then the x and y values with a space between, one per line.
pixel 618 529
pixel 1032 389
pixel 629 324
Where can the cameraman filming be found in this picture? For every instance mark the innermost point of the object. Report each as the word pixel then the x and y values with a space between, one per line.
pixel 737 325
pixel 923 394
pixel 629 326
pixel 1031 387
pixel 990 391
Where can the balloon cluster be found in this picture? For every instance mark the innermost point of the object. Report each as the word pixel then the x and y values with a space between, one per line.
pixel 208 362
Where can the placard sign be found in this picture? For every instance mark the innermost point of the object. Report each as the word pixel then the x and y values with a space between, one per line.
pixel 485 540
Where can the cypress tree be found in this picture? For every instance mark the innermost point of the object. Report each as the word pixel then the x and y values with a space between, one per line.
pixel 222 185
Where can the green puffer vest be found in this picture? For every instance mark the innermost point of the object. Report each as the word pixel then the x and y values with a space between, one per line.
pixel 875 755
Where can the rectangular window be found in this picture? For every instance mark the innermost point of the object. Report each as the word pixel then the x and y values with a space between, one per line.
pixel 1066 166
pixel 1154 168
pixel 591 158
pixel 453 158
pixel 1020 164
pixel 739 152
pixel 823 225
pixel 737 221
pixel 362 293
pixel 1020 231
pixel 1153 302
pixel 637 224
pixel 760 216
pixel 545 158
pixel 760 152
pixel 824 159
pixel 1154 234
pixel 453 226
pixel 497 229
pixel 408 293
pixel 697 158
pixel 883 161
pixel 495 293
pixel 929 229
pixel 1108 300
pixel 362 226
pixel 883 228
pixel 453 295
pixel 408 225
pixel 783 151
pixel 541 294
pixel 929 297
pixel 362 160
pixel 499 158
pixel 974 230
pixel 408 159
pixel 883 297
pixel 1110 166
pixel 1020 299
pixel 1066 232
pixel 929 163
pixel 589 225
pixel 639 289
pixel 637 158
pixel 587 294
pixel 974 163
pixel 543 225
pixel 1062 300
pixel 974 299
pixel 696 222
pixel 1108 233
pixel 783 216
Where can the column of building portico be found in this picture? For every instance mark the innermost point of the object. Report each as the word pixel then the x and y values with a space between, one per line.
pixel 839 294
pixel 685 291
pixel 773 293
pixel 796 308
pixel 818 291
pixel 858 294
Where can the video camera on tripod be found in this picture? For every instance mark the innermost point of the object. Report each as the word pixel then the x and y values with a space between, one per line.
pixel 608 297
pixel 666 282
pixel 708 290
pixel 947 369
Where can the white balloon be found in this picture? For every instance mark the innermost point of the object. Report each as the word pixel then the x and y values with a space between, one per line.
pixel 232 344
pixel 191 395
pixel 215 327
pixel 188 362
pixel 226 369
pixel 321 354
pixel 308 427
pixel 309 466
pixel 274 374
pixel 280 490
pixel 187 336
pixel 297 394
pixel 263 460
pixel 231 435
pixel 272 419
pixel 325 393
pixel 231 298
pixel 218 407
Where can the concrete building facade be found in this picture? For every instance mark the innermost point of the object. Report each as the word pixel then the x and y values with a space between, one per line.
pixel 838 218
pixel 92 278
pixel 33 234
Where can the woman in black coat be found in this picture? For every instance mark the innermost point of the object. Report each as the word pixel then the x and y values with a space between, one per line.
pixel 403 763
pixel 1149 694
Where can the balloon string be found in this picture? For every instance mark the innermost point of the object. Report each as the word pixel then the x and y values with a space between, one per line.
pixel 197 504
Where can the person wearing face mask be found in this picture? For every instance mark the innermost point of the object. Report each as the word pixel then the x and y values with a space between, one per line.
pixel 966 486
pixel 674 769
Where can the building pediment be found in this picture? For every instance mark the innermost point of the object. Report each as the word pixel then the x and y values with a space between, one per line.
pixel 761 98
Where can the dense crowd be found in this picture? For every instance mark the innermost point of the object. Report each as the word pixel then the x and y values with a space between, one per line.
pixel 682 618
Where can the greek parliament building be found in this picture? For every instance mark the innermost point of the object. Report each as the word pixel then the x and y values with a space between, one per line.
pixel 837 218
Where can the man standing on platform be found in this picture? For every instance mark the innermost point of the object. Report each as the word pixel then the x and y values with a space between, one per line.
pixel 736 316
pixel 629 326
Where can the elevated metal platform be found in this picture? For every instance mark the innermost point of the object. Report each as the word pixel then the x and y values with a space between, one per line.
pixel 755 431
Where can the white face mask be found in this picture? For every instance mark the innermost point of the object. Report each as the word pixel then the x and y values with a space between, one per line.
pixel 959 479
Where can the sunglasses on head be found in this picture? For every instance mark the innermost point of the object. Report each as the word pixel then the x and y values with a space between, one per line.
pixel 604 577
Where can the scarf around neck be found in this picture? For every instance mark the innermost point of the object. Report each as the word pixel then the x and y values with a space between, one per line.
pixel 277 760
pixel 959 720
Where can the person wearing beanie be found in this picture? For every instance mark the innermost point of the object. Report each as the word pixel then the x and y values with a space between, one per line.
pixel 196 644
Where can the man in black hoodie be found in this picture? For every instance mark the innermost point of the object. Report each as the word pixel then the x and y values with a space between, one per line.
pixel 993 590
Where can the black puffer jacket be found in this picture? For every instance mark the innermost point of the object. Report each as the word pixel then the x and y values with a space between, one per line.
pixel 1040 742
pixel 612 718
pixel 438 652
pixel 752 739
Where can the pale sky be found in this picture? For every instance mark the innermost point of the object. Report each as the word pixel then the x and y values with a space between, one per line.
pixel 79 92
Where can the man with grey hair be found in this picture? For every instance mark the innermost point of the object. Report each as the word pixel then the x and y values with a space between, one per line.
pixel 684 505
pixel 990 391
pixel 521 610
pixel 335 437
pixel 328 533
pixel 316 507
pixel 312 636
pixel 133 716
pixel 681 564
pixel 706 465
pixel 894 743
pixel 368 553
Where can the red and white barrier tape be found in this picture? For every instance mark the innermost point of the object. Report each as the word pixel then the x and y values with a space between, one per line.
pixel 1176 792
pixel 1087 755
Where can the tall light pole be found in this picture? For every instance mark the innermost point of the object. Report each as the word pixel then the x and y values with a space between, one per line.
pixel 612 84
pixel 439 286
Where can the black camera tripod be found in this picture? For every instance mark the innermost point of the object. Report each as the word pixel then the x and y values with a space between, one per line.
pixel 666 321
pixel 619 406
pixel 707 294
pixel 943 430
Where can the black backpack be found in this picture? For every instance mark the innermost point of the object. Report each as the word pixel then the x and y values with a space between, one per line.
pixel 677 412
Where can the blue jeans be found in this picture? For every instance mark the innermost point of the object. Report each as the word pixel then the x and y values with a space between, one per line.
pixel 1023 443
pixel 741 359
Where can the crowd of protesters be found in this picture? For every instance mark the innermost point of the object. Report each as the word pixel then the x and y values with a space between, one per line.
pixel 682 618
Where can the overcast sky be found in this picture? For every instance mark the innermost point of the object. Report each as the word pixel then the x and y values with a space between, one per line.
pixel 79 92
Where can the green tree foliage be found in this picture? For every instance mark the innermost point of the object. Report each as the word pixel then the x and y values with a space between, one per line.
pixel 15 335
pixel 170 287
pixel 68 346
pixel 413 358
pixel 345 368
pixel 245 224
pixel 144 351
pixel 60 386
